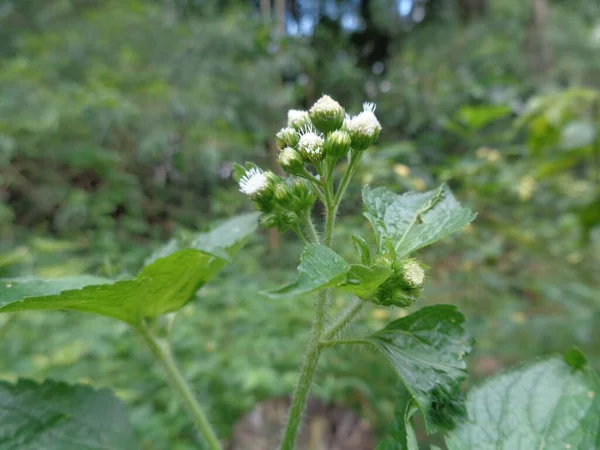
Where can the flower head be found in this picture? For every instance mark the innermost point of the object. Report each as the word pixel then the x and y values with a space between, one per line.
pixel 286 137
pixel 414 274
pixel 327 114
pixel 311 145
pixel 291 161
pixel 298 119
pixel 337 144
pixel 364 128
pixel 253 182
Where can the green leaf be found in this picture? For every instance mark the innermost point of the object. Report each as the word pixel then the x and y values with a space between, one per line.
pixel 55 415
pixel 543 405
pixel 363 249
pixel 427 349
pixel 363 281
pixel 402 434
pixel 319 267
pixel 413 220
pixel 163 286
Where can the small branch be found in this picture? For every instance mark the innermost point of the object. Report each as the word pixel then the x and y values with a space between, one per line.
pixel 162 352
pixel 335 343
pixel 344 319
pixel 300 234
pixel 311 228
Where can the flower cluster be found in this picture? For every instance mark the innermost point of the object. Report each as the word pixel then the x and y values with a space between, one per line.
pixel 319 137
pixel 403 287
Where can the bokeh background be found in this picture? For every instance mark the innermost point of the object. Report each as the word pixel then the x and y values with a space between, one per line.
pixel 120 120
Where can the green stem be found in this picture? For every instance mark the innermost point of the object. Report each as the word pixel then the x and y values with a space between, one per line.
pixel 162 352
pixel 311 228
pixel 347 316
pixel 306 375
pixel 335 343
pixel 352 165
pixel 300 234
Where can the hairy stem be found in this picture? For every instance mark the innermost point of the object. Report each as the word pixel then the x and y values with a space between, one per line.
pixel 162 352
pixel 346 316
pixel 306 375
pixel 312 232
pixel 352 165
pixel 335 343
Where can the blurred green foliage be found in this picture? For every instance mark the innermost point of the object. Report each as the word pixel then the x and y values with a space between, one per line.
pixel 119 121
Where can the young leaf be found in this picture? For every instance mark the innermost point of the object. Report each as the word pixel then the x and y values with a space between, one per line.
pixel 165 285
pixel 413 220
pixel 543 405
pixel 427 349
pixel 55 415
pixel 363 281
pixel 319 267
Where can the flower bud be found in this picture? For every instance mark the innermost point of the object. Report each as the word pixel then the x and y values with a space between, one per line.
pixel 282 193
pixel 286 137
pixel 291 161
pixel 412 273
pixel 364 128
pixel 403 287
pixel 298 119
pixel 303 196
pixel 327 114
pixel 337 144
pixel 268 220
pixel 311 146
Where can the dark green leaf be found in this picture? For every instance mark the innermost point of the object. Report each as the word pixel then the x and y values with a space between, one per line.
pixel 413 220
pixel 543 405
pixel 427 349
pixel 320 267
pixel 575 359
pixel 163 286
pixel 59 416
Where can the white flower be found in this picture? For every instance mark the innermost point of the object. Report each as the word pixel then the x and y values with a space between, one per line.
pixel 326 106
pixel 253 182
pixel 414 274
pixel 311 145
pixel 364 124
pixel 298 118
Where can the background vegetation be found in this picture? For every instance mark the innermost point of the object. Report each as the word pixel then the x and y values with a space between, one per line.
pixel 120 119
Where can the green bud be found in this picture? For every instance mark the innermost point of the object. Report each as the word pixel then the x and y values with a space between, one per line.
pixel 268 220
pixel 327 114
pixel 298 119
pixel 337 144
pixel 287 137
pixel 282 193
pixel 303 196
pixel 403 287
pixel 291 161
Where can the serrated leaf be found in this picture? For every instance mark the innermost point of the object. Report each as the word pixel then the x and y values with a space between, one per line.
pixel 319 267
pixel 163 286
pixel 543 405
pixel 55 415
pixel 363 281
pixel 427 350
pixel 413 220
